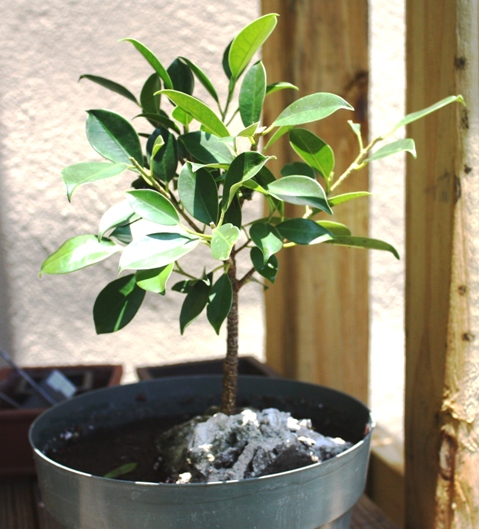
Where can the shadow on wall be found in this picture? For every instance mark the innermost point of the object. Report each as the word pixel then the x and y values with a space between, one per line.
pixel 6 339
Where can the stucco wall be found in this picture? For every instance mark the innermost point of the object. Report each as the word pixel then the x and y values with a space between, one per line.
pixel 44 48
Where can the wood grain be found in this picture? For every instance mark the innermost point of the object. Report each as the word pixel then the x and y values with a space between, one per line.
pixel 442 274
pixel 317 312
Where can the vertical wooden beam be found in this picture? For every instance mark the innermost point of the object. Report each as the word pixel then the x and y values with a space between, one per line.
pixel 442 269
pixel 317 313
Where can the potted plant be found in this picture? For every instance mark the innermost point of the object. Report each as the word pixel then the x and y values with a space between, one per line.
pixel 193 179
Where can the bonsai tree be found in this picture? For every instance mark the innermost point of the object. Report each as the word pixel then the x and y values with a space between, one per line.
pixel 197 173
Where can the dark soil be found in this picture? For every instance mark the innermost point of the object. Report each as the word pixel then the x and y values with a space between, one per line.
pixel 102 451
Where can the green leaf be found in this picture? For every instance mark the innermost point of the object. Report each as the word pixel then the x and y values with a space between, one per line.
pixel 223 240
pixel 300 190
pixel 298 168
pixel 202 78
pixel 181 116
pixel 155 279
pixel 153 206
pixel 252 94
pixel 364 242
pixel 181 77
pixel 150 103
pixel 112 136
pixel 111 85
pixel 276 87
pixel 301 231
pixel 335 228
pixel 234 214
pixel 280 131
pixel 121 471
pixel 268 270
pixel 153 61
pixel 314 151
pixel 117 304
pixel 414 116
pixel 267 239
pixel 403 145
pixel 249 131
pixel 156 250
pixel 157 145
pixel 77 253
pixel 247 43
pixel 118 215
pixel 346 197
pixel 207 148
pixel 84 173
pixel 160 119
pixel 194 303
pixel 199 111
pixel 184 286
pixel 311 108
pixel 199 194
pixel 242 168
pixel 220 301
pixel 165 162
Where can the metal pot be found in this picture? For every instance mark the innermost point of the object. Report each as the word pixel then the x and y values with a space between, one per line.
pixel 317 496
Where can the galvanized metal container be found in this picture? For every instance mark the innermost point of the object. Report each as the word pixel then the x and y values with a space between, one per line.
pixel 317 496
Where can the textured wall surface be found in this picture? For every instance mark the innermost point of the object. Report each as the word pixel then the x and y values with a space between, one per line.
pixel 44 48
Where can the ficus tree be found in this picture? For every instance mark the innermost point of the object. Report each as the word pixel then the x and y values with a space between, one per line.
pixel 198 171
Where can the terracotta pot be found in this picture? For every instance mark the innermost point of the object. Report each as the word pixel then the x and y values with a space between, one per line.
pixel 16 456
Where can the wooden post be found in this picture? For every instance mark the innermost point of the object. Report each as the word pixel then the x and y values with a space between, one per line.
pixel 442 269
pixel 317 313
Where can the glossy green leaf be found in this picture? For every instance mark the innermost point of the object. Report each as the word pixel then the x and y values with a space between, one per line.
pixel 117 304
pixel 279 132
pixel 249 131
pixel 247 43
pixel 121 471
pixel 268 270
pixel 414 116
pixel 220 301
pixel 199 111
pixel 153 61
pixel 181 76
pixel 154 279
pixel 335 228
pixel 194 303
pixel 364 242
pixel 202 78
pixel 111 85
pixel 311 108
pixel 156 250
pixel 199 194
pixel 158 143
pixel 404 145
pixel 184 286
pixel 77 253
pixel 234 213
pixel 84 173
pixel 207 148
pixel 150 103
pixel 165 162
pixel 281 85
pixel 300 190
pixel 112 136
pixel 181 116
pixel 252 94
pixel 118 215
pixel 267 239
pixel 151 205
pixel 298 168
pixel 301 231
pixel 314 151
pixel 223 240
pixel 346 197
pixel 160 119
pixel 244 167
pixel 225 63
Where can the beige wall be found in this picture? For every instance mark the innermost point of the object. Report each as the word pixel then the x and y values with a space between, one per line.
pixel 45 46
